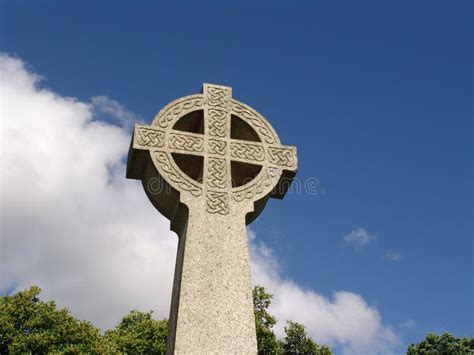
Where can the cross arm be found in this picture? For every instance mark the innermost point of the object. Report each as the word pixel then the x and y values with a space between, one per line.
pixel 146 137
pixel 149 138
pixel 280 156
pixel 283 156
pixel 185 143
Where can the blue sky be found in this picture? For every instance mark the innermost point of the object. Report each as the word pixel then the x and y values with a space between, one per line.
pixel 376 96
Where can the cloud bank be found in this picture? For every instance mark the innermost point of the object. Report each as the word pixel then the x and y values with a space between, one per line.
pixel 344 321
pixel 73 225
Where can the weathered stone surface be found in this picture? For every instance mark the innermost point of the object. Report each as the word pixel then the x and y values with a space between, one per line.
pixel 209 163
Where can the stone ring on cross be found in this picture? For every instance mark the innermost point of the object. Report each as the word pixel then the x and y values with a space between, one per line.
pixel 209 163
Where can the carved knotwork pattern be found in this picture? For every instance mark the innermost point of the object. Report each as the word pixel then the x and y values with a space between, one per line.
pixel 217 147
pixel 217 172
pixel 218 97
pixel 247 151
pixel 255 122
pixel 217 202
pixel 258 186
pixel 176 177
pixel 186 143
pixel 150 137
pixel 177 109
pixel 281 156
pixel 217 123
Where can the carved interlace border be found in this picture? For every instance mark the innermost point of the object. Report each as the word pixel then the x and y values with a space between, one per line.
pixel 217 202
pixel 172 112
pixel 217 173
pixel 186 143
pixel 217 147
pixel 281 156
pixel 150 137
pixel 255 122
pixel 248 151
pixel 259 186
pixel 217 122
pixel 217 96
pixel 174 175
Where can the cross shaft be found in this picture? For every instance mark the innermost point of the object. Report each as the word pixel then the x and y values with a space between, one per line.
pixel 211 310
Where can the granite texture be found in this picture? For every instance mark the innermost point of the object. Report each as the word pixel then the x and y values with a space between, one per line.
pixel 209 163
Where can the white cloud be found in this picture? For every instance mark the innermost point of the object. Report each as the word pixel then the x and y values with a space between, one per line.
pixel 359 238
pixel 72 224
pixel 106 108
pixel 392 255
pixel 344 320
pixel 70 221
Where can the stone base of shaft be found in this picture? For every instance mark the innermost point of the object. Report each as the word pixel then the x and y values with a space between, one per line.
pixel 212 307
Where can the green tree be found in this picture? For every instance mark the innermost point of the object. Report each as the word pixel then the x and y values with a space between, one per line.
pixel 445 344
pixel 266 340
pixel 29 325
pixel 138 333
pixel 298 342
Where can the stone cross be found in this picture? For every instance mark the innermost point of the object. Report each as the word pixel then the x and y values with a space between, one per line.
pixel 209 163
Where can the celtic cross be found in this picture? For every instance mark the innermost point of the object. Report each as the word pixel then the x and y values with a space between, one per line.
pixel 209 163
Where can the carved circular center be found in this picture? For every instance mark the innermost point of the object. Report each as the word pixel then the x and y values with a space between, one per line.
pixel 197 149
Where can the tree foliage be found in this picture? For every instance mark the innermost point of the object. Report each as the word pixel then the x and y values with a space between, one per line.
pixel 28 325
pixel 296 340
pixel 264 322
pixel 445 344
pixel 138 333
